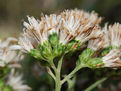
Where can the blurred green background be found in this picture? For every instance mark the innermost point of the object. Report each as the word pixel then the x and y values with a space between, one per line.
pixel 14 12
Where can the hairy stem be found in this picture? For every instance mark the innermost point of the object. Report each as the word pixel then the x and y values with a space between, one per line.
pixel 58 78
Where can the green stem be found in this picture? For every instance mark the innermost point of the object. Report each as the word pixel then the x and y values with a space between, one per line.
pixel 71 74
pixel 58 79
pixel 51 73
pixel 53 65
pixel 95 84
pixel 57 82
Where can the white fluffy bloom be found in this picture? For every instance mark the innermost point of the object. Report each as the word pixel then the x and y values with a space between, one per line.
pixel 112 59
pixel 106 36
pixel 71 21
pixel 112 35
pixel 8 54
pixel 7 42
pixel 68 25
pixel 96 44
pixel 36 29
pixel 16 82
pixel 25 42
pixel 88 34
pixel 53 23
pixel 115 34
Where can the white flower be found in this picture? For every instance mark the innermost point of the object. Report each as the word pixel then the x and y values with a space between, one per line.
pixel 16 82
pixel 8 53
pixel 71 21
pixel 64 37
pixel 92 32
pixel 112 35
pixel 115 34
pixel 68 25
pixel 112 59
pixel 7 42
pixel 96 44
pixel 53 23
pixel 36 29
pixel 106 36
pixel 26 42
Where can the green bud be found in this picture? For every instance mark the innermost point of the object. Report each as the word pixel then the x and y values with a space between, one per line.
pixel 46 50
pixel 36 53
pixel 86 55
pixel 8 88
pixel 58 50
pixel 95 63
pixel 72 46
pixel 53 39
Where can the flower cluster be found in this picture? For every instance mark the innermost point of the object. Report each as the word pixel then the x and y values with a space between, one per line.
pixel 10 57
pixel 104 51
pixel 55 35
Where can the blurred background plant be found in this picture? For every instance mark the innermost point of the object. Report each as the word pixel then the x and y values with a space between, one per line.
pixel 13 13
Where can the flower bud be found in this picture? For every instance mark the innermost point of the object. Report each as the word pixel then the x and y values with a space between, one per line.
pixel 36 53
pixel 53 39
pixel 95 63
pixel 46 50
pixel 86 55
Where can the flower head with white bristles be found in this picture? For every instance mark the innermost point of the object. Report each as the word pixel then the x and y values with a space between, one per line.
pixel 92 32
pixel 8 53
pixel 16 82
pixel 36 29
pixel 96 44
pixel 112 35
pixel 115 34
pixel 112 59
pixel 53 23
pixel 56 34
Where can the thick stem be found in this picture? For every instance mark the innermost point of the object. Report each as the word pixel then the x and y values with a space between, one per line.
pixel 58 82
pixel 95 84
pixel 58 78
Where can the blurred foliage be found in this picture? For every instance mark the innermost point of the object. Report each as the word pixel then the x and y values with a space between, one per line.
pixel 14 12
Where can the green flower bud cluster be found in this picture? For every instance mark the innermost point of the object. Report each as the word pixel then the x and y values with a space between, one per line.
pixel 85 58
pixel 53 48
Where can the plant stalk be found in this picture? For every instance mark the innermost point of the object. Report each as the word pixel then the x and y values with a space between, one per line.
pixel 71 74
pixel 58 77
pixel 95 84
